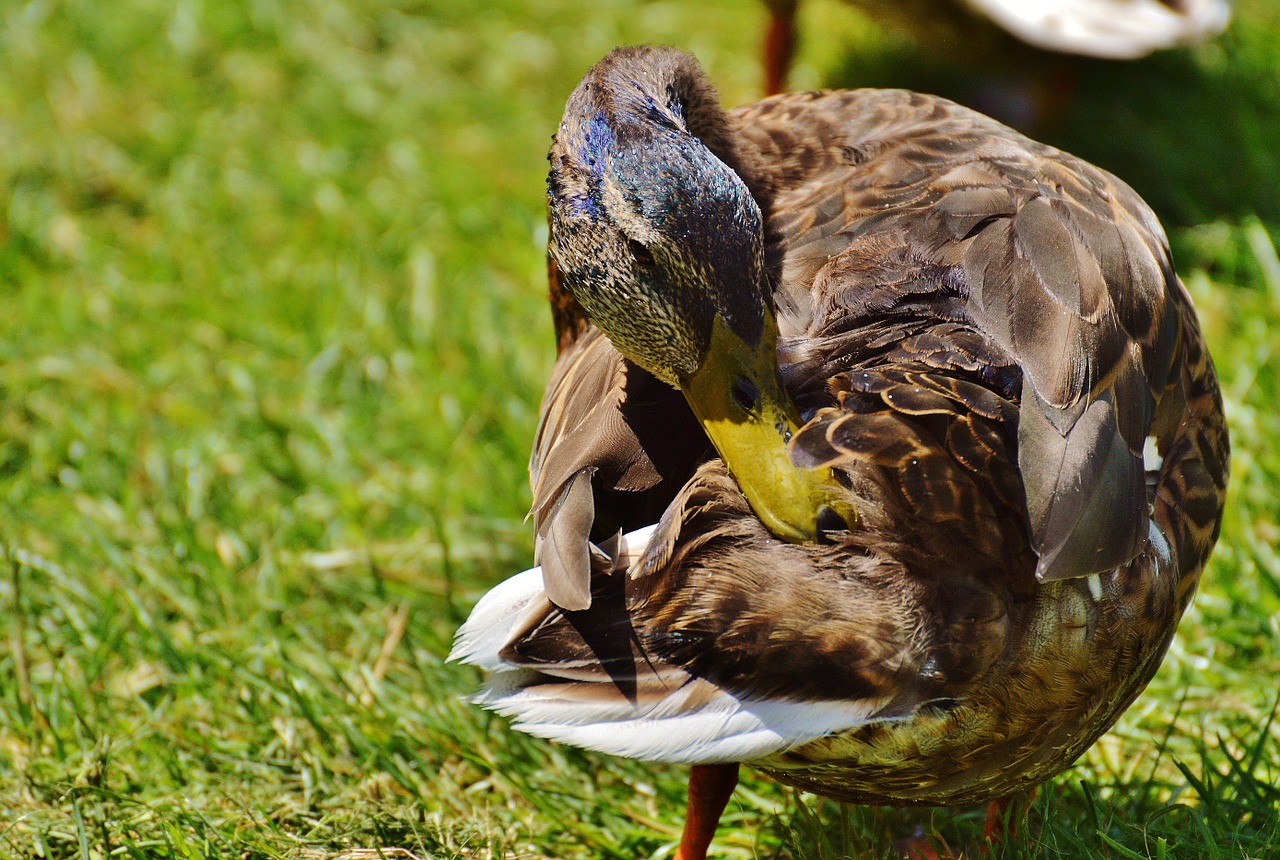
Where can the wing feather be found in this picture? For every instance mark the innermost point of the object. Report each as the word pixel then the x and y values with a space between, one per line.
pixel 928 211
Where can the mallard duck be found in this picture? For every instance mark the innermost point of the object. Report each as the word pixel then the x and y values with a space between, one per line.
pixel 882 451
pixel 1105 29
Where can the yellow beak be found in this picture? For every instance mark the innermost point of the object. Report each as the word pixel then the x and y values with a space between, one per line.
pixel 738 397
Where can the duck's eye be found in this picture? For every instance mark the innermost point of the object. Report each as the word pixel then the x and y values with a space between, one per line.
pixel 640 253
pixel 829 521
pixel 745 393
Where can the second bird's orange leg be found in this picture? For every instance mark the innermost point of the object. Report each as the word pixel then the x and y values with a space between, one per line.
pixel 710 786
pixel 779 44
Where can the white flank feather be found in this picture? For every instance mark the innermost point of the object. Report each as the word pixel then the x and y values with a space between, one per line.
pixel 1159 546
pixel 1151 459
pixel 1111 29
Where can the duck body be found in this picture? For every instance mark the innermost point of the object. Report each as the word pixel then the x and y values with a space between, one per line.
pixel 981 336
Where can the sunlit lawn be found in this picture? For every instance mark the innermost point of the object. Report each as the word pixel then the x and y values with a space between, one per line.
pixel 271 345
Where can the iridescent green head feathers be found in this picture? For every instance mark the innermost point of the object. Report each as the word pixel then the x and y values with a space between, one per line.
pixel 655 234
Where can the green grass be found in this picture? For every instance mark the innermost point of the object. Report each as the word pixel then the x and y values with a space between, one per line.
pixel 271 345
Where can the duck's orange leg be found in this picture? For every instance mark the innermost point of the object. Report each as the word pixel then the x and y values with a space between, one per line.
pixel 1001 824
pixel 779 44
pixel 710 786
pixel 993 829
pixel 921 848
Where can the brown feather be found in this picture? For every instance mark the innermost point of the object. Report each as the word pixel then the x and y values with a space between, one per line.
pixel 926 209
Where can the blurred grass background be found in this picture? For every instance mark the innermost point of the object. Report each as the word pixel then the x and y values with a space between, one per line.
pixel 272 339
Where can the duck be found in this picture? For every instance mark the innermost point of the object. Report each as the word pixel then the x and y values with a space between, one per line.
pixel 1100 29
pixel 882 451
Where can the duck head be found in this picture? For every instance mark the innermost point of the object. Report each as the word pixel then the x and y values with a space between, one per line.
pixel 662 244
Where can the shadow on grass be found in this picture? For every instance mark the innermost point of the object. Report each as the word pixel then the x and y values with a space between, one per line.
pixel 1196 132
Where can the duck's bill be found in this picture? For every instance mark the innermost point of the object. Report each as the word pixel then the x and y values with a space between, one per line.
pixel 737 396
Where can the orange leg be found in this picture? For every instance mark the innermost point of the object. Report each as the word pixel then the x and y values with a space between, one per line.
pixel 995 823
pixel 710 786
pixel 1002 823
pixel 920 848
pixel 779 44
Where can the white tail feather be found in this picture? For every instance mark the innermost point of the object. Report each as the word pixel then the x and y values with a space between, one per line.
pixel 697 723
pixel 501 611
pixel 692 721
pixel 490 624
